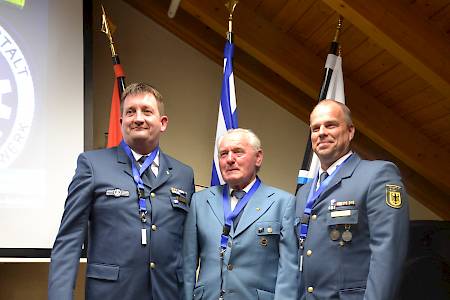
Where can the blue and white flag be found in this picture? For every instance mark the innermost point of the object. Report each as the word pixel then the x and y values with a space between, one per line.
pixel 227 110
pixel 336 92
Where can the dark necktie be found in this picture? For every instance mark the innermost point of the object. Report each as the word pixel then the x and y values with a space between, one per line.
pixel 238 194
pixel 149 172
pixel 322 177
pixel 142 160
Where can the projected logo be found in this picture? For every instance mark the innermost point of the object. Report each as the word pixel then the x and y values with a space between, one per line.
pixel 16 99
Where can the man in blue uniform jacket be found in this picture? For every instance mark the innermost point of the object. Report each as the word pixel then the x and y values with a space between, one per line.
pixel 131 201
pixel 242 232
pixel 352 222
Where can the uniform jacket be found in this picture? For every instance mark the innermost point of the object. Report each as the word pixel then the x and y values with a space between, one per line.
pixel 119 266
pixel 370 265
pixel 260 260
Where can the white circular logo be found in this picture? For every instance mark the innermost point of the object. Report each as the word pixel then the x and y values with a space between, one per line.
pixel 16 100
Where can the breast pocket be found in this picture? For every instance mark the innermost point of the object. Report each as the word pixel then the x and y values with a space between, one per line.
pixel 341 217
pixel 268 233
pixel 179 203
pixel 342 225
pixel 173 220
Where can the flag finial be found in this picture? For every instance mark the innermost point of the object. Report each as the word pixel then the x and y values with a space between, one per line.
pixel 338 29
pixel 230 5
pixel 108 28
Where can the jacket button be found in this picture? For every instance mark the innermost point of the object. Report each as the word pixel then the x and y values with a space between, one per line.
pixel 309 252
pixel 230 267
pixel 154 227
pixel 152 265
pixel 310 289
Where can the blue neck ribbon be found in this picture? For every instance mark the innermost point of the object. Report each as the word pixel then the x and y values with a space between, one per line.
pixel 302 229
pixel 137 176
pixel 229 215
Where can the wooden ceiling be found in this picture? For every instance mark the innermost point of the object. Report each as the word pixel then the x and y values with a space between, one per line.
pixel 396 64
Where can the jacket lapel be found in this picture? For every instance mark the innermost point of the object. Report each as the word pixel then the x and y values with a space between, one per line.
pixel 164 171
pixel 215 201
pixel 257 206
pixel 303 194
pixel 345 171
pixel 124 161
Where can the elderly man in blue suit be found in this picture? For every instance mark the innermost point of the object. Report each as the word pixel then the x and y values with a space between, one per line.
pixel 352 219
pixel 241 233
pixel 131 202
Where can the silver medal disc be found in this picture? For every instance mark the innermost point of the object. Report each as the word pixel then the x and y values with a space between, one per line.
pixel 347 236
pixel 335 234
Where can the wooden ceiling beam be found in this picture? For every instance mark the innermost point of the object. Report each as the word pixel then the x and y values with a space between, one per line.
pixel 299 66
pixel 210 43
pixel 406 36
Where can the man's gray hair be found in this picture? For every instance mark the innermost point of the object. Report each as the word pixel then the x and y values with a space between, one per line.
pixel 252 138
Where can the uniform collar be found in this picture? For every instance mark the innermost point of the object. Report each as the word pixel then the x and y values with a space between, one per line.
pixel 138 156
pixel 247 188
pixel 333 167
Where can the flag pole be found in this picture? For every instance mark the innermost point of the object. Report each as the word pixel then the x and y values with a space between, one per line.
pixel 328 72
pixel 114 128
pixel 227 118
pixel 329 65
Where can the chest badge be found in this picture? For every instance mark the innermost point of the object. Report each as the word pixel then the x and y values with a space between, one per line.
pixel 117 193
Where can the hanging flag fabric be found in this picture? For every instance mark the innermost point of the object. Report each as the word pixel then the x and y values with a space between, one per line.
pixel 335 91
pixel 227 118
pixel 114 129
pixel 336 87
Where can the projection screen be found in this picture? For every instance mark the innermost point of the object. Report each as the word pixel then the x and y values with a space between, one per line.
pixel 41 119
